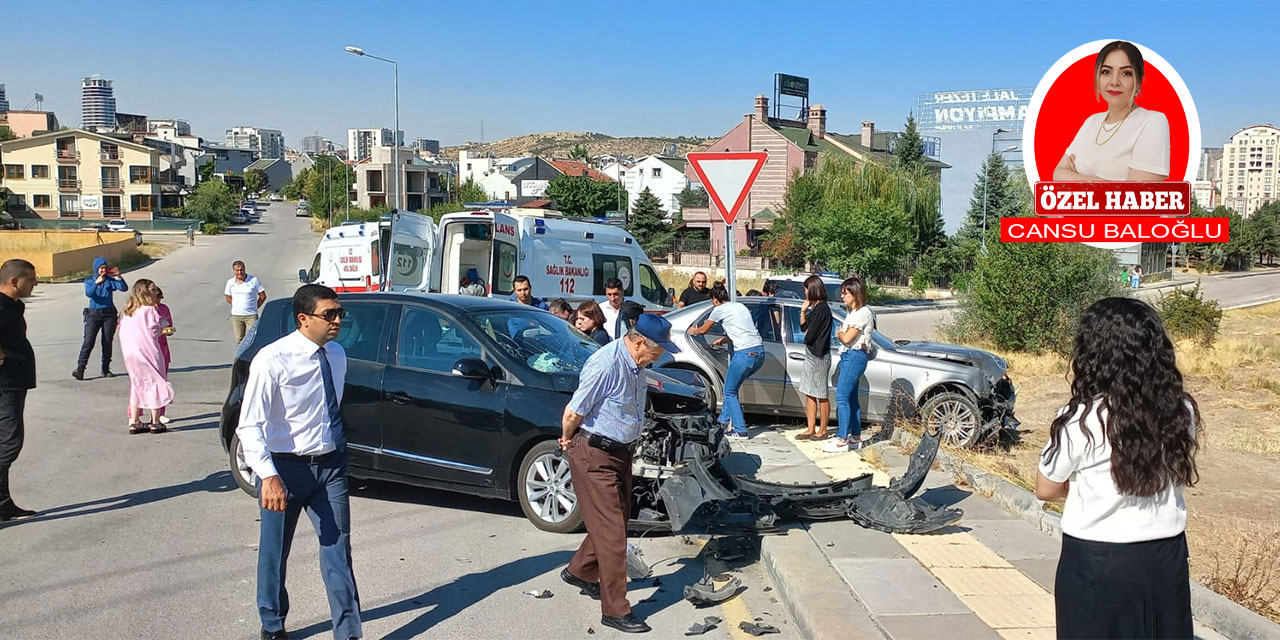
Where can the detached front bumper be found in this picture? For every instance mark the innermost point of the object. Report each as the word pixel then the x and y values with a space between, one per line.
pixel 997 409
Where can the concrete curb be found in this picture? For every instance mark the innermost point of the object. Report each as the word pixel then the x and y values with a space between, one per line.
pixel 1214 610
pixel 822 605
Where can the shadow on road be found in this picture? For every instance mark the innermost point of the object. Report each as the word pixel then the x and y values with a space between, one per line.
pixel 200 367
pixel 217 482
pixel 448 600
pixel 407 494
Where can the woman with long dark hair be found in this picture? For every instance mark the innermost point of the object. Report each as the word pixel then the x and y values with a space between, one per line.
pixel 815 320
pixel 854 335
pixel 1119 454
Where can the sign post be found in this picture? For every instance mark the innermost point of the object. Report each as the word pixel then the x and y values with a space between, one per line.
pixel 727 177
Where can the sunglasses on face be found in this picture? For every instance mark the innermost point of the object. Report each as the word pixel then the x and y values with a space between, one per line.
pixel 331 315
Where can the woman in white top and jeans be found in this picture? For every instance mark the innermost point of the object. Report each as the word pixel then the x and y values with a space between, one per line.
pixel 855 349
pixel 748 354
pixel 1119 454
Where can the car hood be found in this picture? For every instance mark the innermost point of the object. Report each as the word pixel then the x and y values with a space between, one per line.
pixel 991 364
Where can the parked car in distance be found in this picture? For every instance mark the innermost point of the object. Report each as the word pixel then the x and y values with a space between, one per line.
pixel 460 393
pixel 275 197
pixel 963 391
pixel 794 284
pixel 117 225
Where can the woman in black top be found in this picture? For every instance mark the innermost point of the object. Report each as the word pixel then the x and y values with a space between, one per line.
pixel 815 319
pixel 590 320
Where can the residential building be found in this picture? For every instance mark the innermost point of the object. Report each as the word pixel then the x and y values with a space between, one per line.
pixel 300 163
pixel 1207 187
pixel 474 166
pixel 264 143
pixel 792 145
pixel 175 126
pixel 276 170
pixel 1210 164
pixel 424 183
pixel 361 142
pixel 131 123
pixel 316 144
pixel 615 170
pixel 4 102
pixel 664 177
pixel 29 123
pixel 521 181
pixel 227 159
pixel 1250 169
pixel 97 104
pixel 1204 192
pixel 428 145
pixel 81 174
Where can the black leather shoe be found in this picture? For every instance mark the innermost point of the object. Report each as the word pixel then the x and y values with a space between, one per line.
pixel 15 512
pixel 78 374
pixel 626 624
pixel 108 374
pixel 588 588
pixel 274 635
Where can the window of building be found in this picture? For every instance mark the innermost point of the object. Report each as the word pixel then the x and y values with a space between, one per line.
pixel 41 202
pixel 39 171
pixel 468 166
pixel 657 172
pixel 13 172
pixel 139 175
pixel 141 202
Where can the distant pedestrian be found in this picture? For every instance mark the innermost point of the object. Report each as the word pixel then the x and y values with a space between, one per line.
pixel 1124 277
pixel 614 295
pixel 245 295
pixel 1119 455
pixel 140 331
pixel 601 424
pixel 815 320
pixel 17 373
pixel 524 293
pixel 1136 276
pixel 471 285
pixel 590 320
pixel 560 308
pixel 855 350
pixel 168 329
pixel 294 440
pixel 696 292
pixel 746 359
pixel 191 235
pixel 100 316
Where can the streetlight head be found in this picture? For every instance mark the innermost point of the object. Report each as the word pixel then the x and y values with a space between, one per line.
pixel 1013 147
pixel 356 50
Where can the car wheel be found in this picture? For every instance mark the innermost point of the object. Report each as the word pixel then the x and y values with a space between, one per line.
pixel 244 476
pixel 955 415
pixel 546 490
pixel 710 390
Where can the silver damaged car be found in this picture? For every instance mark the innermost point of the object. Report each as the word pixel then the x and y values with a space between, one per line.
pixel 964 392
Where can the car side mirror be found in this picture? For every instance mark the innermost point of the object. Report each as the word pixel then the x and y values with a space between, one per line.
pixel 302 276
pixel 472 369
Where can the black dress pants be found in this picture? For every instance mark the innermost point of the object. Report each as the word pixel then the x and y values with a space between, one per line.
pixel 12 403
pixel 96 320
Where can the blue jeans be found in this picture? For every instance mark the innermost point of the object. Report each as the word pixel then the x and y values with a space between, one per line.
pixel 742 364
pixel 853 363
pixel 321 489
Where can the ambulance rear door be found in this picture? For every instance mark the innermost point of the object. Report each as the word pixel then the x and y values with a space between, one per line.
pixel 506 256
pixel 413 252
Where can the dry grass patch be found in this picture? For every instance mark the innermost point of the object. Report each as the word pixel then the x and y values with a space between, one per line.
pixel 1240 559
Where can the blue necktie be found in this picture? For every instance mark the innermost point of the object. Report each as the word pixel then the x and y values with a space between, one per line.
pixel 331 404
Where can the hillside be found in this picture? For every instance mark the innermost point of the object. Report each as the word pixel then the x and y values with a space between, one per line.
pixel 560 143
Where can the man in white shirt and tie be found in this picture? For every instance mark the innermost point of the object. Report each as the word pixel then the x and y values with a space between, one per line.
pixel 292 433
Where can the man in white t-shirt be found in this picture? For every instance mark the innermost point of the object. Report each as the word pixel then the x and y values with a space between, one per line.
pixel 245 295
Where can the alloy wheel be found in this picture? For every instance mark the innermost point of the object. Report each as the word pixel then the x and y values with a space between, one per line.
pixel 549 489
pixel 957 421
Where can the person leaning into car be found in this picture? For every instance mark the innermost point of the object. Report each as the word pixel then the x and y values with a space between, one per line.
pixel 600 426
pixel 292 433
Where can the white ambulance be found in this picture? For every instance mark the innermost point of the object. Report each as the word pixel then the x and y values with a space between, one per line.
pixel 351 256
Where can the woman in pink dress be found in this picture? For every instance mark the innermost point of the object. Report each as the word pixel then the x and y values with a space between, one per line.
pixel 140 330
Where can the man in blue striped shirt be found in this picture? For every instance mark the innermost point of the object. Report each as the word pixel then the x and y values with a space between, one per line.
pixel 600 426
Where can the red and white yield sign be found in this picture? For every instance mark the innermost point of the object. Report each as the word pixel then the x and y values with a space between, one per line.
pixel 727 177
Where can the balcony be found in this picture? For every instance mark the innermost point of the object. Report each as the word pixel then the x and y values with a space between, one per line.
pixel 68 184
pixel 112 212
pixel 69 213
pixel 68 155
pixel 110 156
pixel 111 184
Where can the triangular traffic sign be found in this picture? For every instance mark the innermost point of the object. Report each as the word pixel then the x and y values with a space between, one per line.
pixel 727 177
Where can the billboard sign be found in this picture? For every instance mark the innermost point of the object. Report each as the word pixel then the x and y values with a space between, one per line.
pixel 793 85
pixel 973 110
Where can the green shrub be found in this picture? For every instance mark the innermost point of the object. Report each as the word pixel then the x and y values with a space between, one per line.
pixel 1029 296
pixel 213 228
pixel 1187 315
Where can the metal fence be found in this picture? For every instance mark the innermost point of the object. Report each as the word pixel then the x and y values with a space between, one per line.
pixel 158 224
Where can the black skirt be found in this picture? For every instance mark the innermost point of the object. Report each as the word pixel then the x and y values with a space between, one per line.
pixel 1131 590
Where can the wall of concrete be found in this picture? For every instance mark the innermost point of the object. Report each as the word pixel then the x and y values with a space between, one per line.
pixel 56 254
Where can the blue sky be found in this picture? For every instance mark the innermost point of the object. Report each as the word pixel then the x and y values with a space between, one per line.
pixel 621 68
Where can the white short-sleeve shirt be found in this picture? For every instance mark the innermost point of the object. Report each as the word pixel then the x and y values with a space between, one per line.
pixel 1141 143
pixel 864 321
pixel 738 324
pixel 1095 509
pixel 244 295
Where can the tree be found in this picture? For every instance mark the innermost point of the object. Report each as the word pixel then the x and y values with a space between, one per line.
pixel 255 180
pixel 6 133
pixel 328 186
pixel 909 149
pixel 207 169
pixel 469 191
pixel 784 242
pixel 295 188
pixel 1261 232
pixel 996 193
pixel 579 152
pixel 690 197
pixel 649 224
pixel 1232 255
pixel 580 196
pixel 212 203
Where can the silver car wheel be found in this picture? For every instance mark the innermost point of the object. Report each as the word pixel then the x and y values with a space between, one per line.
pixel 242 467
pixel 957 421
pixel 549 489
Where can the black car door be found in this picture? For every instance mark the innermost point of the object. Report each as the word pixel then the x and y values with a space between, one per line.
pixel 436 425
pixel 364 336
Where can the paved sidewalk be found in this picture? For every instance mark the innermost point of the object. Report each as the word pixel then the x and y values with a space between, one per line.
pixel 989 577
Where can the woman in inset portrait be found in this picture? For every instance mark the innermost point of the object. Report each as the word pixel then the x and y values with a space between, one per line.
pixel 1125 143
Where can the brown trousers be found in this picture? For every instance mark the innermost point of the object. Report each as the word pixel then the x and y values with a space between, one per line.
pixel 602 482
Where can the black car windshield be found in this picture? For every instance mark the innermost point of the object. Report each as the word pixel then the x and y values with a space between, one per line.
pixel 542 341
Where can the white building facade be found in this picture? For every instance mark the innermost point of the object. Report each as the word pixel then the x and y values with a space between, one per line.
pixel 97 104
pixel 265 143
pixel 1250 169
pixel 362 142
pixel 664 177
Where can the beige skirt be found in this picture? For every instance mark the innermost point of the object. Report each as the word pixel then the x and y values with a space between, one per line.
pixel 814 376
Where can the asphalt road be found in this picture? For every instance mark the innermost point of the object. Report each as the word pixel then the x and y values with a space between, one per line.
pixel 146 536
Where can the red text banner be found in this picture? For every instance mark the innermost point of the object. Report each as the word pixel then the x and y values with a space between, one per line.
pixel 1113 229
pixel 1113 198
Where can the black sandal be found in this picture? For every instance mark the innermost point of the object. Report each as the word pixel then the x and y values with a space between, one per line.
pixel 156 427
pixel 138 427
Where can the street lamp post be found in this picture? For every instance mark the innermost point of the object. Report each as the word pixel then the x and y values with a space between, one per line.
pixel 395 133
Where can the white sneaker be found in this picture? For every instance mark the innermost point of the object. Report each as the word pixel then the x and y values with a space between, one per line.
pixel 836 446
pixel 734 435
pixel 164 420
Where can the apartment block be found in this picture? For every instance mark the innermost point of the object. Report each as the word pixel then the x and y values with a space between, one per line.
pixel 81 174
pixel 361 142
pixel 264 143
pixel 97 103
pixel 1250 170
